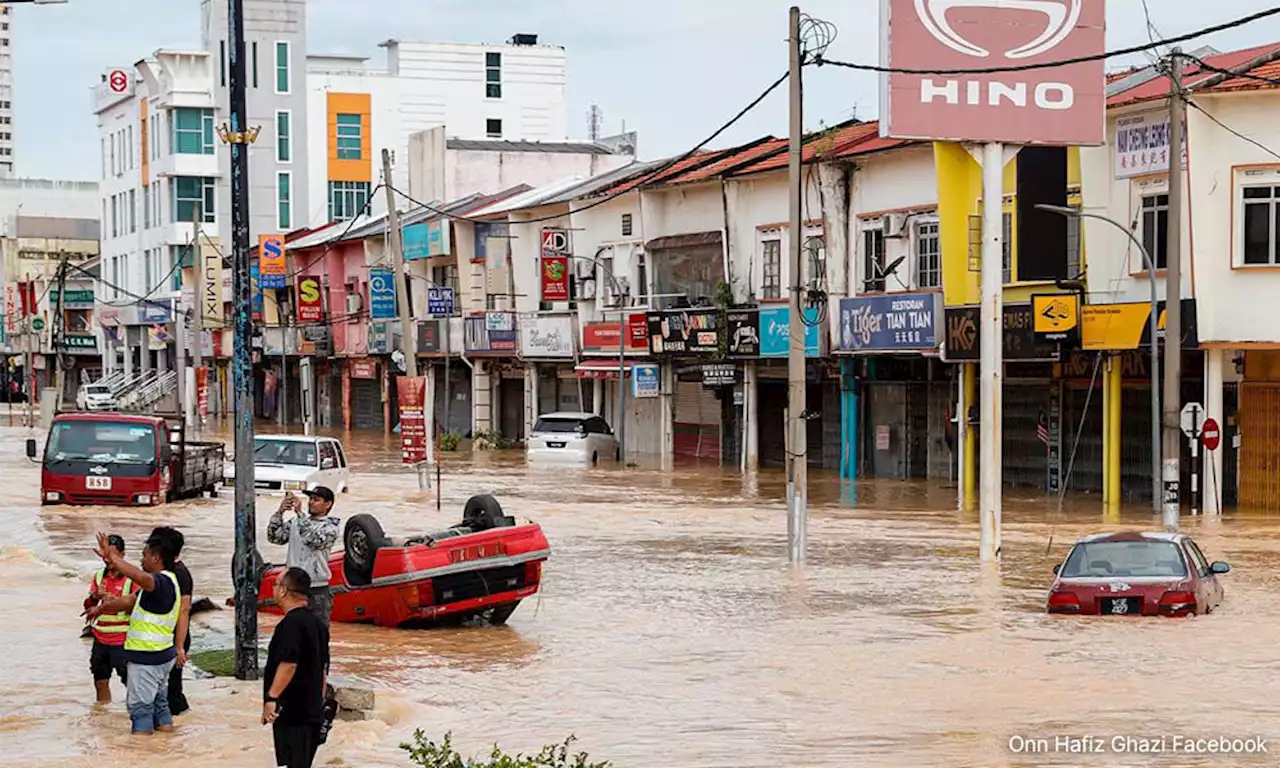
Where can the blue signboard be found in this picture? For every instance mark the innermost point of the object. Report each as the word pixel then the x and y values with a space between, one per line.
pixel 645 381
pixel 414 241
pixel 899 321
pixel 255 292
pixel 440 302
pixel 775 332
pixel 156 311
pixel 382 293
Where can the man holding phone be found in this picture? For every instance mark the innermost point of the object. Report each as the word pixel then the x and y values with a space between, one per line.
pixel 310 537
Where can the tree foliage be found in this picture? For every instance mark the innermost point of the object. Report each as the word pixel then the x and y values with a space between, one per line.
pixel 428 754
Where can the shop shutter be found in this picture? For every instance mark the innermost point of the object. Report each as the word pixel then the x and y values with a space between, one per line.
pixel 1260 445
pixel 771 431
pixel 366 404
pixel 697 421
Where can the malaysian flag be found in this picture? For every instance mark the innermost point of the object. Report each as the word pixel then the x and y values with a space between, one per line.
pixel 1042 429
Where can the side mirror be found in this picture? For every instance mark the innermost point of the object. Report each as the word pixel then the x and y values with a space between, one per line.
pixel 31 448
pixel 1219 568
pixel 1057 568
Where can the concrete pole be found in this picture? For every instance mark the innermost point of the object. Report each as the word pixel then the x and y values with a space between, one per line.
pixel 1115 409
pixel 180 359
pixel 751 396
pixel 962 435
pixel 1213 362
pixel 1173 304
pixel 797 454
pixel 396 253
pixel 992 349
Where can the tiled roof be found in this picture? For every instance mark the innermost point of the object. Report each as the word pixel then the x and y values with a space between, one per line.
pixel 1193 74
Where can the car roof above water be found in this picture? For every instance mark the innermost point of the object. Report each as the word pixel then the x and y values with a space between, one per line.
pixel 567 415
pixel 294 438
pixel 1133 536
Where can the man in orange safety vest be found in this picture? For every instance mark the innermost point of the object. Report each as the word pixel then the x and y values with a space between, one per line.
pixel 109 631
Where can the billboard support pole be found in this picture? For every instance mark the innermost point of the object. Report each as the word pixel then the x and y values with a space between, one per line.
pixel 1173 304
pixel 797 453
pixel 991 342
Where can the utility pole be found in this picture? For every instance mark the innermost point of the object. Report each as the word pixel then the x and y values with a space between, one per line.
pixel 797 457
pixel 282 312
pixel 403 304
pixel 59 331
pixel 991 358
pixel 197 324
pixel 240 137
pixel 1173 302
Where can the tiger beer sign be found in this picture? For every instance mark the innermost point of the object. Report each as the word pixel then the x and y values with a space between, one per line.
pixel 310 302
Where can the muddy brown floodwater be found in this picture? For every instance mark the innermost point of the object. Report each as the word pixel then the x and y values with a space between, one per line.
pixel 671 632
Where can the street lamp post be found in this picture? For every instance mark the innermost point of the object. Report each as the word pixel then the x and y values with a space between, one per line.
pixel 1076 213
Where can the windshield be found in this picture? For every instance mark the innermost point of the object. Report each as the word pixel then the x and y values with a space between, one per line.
pixel 1104 559
pixel 104 441
pixel 97 389
pixel 558 425
pixel 296 452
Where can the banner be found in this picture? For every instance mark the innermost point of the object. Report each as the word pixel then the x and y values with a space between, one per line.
pixel 555 278
pixel 310 303
pixel 255 294
pixel 211 297
pixel 271 263
pixel 12 309
pixel 382 293
pixel 411 394
pixel 202 392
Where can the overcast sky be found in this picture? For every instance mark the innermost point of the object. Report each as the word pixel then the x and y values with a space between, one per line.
pixel 673 70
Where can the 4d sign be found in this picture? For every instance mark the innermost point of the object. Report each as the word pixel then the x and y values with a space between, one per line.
pixel 1047 105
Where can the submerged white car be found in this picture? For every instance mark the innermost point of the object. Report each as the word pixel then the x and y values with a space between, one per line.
pixel 572 436
pixel 283 463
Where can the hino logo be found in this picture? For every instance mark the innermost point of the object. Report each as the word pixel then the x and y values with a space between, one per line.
pixel 98 470
pixel 1057 96
pixel 1061 16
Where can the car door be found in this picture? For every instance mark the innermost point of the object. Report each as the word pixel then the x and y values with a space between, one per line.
pixel 329 474
pixel 344 472
pixel 1208 581
pixel 605 444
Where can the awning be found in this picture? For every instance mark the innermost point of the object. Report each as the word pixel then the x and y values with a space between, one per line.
pixel 695 240
pixel 601 369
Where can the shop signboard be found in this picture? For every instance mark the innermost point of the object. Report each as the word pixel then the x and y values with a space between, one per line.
pixel 155 311
pixel 481 335
pixel 382 293
pixel 72 299
pixel 364 369
pixel 310 303
pixel 775 332
pixel 743 334
pixel 411 396
pixel 440 301
pixel 602 338
pixel 546 336
pixel 430 341
pixel 646 381
pixel 684 332
pixel 962 340
pixel 715 375
pixel 891 322
pixel 379 338
pixel 271 262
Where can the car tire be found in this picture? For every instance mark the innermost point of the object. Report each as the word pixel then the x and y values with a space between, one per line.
pixel 483 512
pixel 499 615
pixel 361 540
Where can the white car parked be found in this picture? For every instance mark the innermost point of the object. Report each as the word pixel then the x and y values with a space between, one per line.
pixel 572 436
pixel 283 463
pixel 95 397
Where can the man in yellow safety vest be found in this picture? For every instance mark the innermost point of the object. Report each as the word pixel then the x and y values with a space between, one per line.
pixel 109 630
pixel 153 618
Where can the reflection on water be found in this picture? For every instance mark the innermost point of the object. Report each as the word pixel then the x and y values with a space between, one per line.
pixel 670 630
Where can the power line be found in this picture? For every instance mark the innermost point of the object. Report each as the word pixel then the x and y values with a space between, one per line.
pixel 1219 70
pixel 139 299
pixel 820 61
pixel 341 237
pixel 628 186
pixel 1233 131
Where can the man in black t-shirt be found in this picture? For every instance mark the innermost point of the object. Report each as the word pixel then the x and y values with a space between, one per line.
pixel 294 680
pixel 182 639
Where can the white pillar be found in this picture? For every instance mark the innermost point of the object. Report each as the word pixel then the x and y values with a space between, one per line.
pixel 992 353
pixel 429 409
pixel 751 410
pixel 960 433
pixel 481 398
pixel 597 396
pixel 668 415
pixel 530 397
pixel 1212 479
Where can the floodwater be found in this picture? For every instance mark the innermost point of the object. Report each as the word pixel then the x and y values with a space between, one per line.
pixel 671 632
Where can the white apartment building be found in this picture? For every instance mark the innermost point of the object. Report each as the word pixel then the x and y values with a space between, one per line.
pixel 514 92
pixel 6 93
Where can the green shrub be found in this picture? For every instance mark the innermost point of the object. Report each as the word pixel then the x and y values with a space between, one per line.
pixel 491 440
pixel 427 754
pixel 449 441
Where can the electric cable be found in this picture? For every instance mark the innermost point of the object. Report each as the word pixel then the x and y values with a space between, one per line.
pixel 364 211
pixel 1221 71
pixel 1231 130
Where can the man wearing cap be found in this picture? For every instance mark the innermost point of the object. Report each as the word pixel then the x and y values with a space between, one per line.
pixel 309 537
pixel 109 631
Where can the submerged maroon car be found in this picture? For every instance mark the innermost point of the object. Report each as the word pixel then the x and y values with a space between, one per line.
pixel 1136 574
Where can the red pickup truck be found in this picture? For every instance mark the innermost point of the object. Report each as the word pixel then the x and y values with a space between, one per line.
pixel 124 459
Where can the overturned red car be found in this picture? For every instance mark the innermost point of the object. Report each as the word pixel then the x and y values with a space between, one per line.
pixel 1136 574
pixel 482 567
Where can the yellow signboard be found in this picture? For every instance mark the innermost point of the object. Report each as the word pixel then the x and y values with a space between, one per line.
pixel 1055 316
pixel 1114 326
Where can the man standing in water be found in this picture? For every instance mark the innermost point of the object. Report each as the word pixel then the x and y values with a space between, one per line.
pixel 293 681
pixel 109 629
pixel 310 538
pixel 182 636
pixel 153 618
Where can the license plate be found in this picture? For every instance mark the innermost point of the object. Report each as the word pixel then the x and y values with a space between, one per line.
pixel 554 445
pixel 97 483
pixel 1121 606
pixel 479 552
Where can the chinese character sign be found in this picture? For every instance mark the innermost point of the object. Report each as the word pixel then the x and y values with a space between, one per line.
pixel 895 321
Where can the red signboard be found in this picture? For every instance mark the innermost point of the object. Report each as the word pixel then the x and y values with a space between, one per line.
pixel 411 395
pixel 364 369
pixel 555 278
pixel 310 304
pixel 1053 105
pixel 603 337
pixel 1210 434
pixel 28 291
pixel 202 391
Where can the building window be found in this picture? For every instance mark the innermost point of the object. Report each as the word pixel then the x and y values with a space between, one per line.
pixel 193 198
pixel 284 201
pixel 347 199
pixel 928 256
pixel 493 128
pixel 1006 225
pixel 222 61
pixel 349 139
pixel 1261 225
pixel 254 62
pixel 626 225
pixel 115 216
pixel 133 212
pixel 284 132
pixel 642 280
pixel 493 75
pixel 282 67
pixel 156 201
pixel 771 261
pixel 193 131
pixel 873 266
pixel 1155 225
pixel 146 207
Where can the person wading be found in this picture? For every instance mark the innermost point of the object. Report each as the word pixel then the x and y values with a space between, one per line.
pixel 153 618
pixel 109 629
pixel 293 683
pixel 310 538
pixel 182 635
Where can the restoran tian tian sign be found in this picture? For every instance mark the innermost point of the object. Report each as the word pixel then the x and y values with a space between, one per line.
pixel 907 321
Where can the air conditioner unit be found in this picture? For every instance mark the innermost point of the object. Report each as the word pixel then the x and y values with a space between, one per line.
pixel 354 302
pixel 893 224
pixel 585 289
pixel 584 270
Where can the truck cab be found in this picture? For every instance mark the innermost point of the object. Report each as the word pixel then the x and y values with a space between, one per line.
pixel 123 459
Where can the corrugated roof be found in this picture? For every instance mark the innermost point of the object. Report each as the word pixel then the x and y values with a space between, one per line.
pixel 502 145
pixel 725 166
pixel 530 199
pixel 1193 74
pixel 604 180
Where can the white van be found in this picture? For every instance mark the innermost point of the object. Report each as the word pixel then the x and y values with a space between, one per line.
pixel 283 463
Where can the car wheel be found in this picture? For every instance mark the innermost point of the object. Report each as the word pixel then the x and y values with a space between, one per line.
pixel 499 615
pixel 361 541
pixel 484 512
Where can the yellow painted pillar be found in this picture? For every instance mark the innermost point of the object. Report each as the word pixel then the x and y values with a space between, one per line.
pixel 970 470
pixel 1113 417
pixel 1106 431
